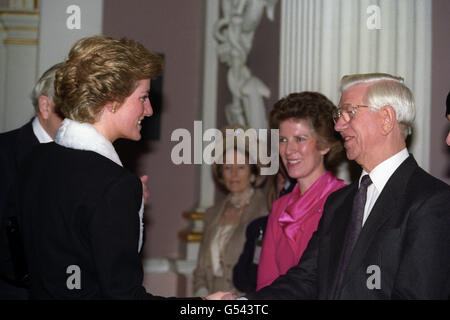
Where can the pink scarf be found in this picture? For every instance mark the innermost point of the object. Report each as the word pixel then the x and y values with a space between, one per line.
pixel 302 207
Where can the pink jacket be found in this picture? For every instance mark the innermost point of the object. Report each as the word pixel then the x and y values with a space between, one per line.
pixel 291 223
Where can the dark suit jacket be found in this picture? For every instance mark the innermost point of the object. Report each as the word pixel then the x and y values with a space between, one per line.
pixel 245 271
pixel 15 146
pixel 407 235
pixel 78 209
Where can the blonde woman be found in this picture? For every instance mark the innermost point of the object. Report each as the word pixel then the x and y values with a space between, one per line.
pixel 80 211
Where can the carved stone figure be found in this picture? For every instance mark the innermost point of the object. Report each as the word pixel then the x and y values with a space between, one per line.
pixel 234 33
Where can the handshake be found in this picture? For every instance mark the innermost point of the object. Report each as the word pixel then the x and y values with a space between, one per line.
pixel 220 295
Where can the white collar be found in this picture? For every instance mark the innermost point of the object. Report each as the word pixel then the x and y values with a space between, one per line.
pixel 83 136
pixel 382 172
pixel 40 132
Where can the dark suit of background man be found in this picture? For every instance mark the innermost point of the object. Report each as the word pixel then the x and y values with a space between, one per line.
pixel 403 248
pixel 14 147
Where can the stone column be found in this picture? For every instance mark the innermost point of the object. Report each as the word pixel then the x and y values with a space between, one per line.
pixel 18 65
pixel 322 40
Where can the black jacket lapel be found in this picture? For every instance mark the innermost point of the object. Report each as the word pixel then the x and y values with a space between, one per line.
pixel 338 229
pixel 26 141
pixel 388 203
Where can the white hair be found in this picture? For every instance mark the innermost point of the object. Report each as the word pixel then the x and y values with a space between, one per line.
pixel 44 86
pixel 386 90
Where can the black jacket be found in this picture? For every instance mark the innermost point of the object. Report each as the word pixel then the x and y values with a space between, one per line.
pixel 246 270
pixel 406 236
pixel 15 146
pixel 78 213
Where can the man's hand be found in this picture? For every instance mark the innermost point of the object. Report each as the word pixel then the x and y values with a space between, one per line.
pixel 145 190
pixel 220 295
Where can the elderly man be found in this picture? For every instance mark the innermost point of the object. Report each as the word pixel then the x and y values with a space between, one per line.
pixel 14 147
pixel 386 236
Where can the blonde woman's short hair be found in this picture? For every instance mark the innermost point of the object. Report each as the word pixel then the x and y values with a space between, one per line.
pixel 99 70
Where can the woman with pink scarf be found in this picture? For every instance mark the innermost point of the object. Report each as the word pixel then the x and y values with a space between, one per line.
pixel 309 147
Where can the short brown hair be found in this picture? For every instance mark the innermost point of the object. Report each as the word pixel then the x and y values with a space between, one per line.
pixel 99 70
pixel 254 168
pixel 317 109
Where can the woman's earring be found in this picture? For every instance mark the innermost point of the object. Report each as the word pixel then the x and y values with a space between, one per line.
pixel 252 178
pixel 113 110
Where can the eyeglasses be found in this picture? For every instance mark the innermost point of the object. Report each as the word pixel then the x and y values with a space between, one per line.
pixel 347 112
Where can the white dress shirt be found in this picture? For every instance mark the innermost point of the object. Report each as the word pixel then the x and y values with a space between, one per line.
pixel 40 132
pixel 218 245
pixel 380 176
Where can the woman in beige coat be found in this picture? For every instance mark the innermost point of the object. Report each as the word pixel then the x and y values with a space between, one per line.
pixel 225 222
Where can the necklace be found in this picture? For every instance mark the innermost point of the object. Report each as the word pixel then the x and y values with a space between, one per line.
pixel 238 201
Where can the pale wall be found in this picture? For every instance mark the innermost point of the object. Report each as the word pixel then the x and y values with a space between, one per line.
pixel 174 28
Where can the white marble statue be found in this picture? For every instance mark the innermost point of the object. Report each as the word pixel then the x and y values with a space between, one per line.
pixel 234 33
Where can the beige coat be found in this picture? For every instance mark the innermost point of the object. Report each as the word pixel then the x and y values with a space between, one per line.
pixel 203 274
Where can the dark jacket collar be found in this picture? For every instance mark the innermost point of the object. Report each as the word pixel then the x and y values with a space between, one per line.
pixel 388 202
pixel 26 141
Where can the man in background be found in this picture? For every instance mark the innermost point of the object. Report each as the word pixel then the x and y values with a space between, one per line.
pixel 15 146
pixel 385 236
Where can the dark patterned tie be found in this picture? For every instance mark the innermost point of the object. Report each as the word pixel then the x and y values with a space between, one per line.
pixel 353 230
